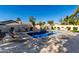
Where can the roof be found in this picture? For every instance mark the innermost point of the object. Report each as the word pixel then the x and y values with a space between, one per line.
pixel 7 22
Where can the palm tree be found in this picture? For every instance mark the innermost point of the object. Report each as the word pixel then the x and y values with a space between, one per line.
pixel 73 19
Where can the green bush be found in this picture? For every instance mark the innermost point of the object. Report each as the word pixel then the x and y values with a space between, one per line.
pixel 52 28
pixel 75 30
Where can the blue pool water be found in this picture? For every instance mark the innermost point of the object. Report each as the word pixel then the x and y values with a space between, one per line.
pixel 41 34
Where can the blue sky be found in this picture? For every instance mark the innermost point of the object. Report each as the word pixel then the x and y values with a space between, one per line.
pixel 41 12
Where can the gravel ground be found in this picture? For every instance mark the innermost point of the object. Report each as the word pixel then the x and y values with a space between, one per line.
pixel 64 43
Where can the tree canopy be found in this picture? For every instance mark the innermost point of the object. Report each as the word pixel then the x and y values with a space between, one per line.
pixel 18 19
pixel 50 22
pixel 32 19
pixel 73 19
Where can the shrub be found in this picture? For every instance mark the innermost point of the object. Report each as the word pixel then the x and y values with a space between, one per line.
pixel 75 28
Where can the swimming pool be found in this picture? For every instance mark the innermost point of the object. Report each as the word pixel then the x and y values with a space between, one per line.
pixel 41 34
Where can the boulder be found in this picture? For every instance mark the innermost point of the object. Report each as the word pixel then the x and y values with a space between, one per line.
pixel 65 49
pixel 44 50
pixel 7 38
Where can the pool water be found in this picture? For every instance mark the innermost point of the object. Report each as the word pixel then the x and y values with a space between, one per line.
pixel 41 34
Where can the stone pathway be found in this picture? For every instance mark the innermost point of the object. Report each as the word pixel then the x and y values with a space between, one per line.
pixel 73 44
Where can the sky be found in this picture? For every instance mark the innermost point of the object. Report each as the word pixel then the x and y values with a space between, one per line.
pixel 40 12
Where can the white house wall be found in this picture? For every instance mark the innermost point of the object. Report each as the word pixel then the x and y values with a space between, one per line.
pixel 65 26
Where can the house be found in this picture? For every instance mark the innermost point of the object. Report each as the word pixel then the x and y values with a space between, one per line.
pixel 9 22
pixel 66 27
pixel 62 27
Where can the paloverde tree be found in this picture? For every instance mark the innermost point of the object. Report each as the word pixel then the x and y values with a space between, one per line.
pixel 68 20
pixel 65 21
pixel 44 23
pixel 41 23
pixel 61 21
pixel 19 20
pixel 32 19
pixel 50 22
